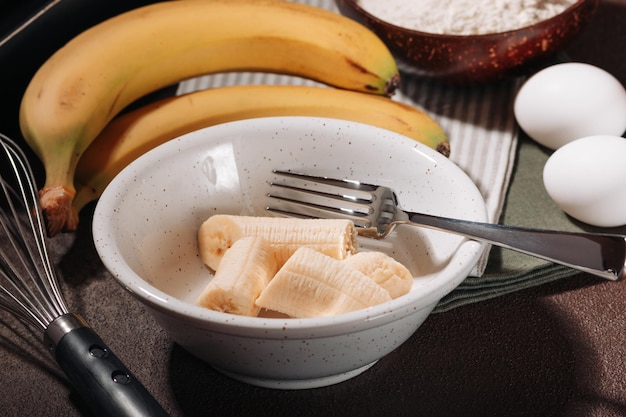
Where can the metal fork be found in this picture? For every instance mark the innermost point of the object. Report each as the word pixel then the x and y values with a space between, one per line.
pixel 376 212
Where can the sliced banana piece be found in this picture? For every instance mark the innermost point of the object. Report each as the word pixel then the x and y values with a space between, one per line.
pixel 334 237
pixel 384 270
pixel 245 270
pixel 311 284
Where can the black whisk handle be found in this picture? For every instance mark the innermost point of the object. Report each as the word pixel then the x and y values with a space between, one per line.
pixel 102 380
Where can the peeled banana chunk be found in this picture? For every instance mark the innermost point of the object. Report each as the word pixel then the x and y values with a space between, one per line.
pixel 333 237
pixel 311 284
pixel 384 270
pixel 245 270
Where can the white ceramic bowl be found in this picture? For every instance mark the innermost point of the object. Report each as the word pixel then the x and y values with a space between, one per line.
pixel 146 221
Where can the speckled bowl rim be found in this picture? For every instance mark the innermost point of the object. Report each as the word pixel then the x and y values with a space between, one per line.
pixel 426 296
pixel 381 22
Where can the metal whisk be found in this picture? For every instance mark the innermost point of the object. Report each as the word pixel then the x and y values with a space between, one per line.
pixel 29 290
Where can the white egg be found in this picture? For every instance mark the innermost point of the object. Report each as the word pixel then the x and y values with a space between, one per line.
pixel 586 178
pixel 569 101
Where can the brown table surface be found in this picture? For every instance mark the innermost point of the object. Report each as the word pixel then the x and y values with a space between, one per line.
pixel 554 350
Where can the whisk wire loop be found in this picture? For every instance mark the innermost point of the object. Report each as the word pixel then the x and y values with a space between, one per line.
pixel 29 287
pixel 30 291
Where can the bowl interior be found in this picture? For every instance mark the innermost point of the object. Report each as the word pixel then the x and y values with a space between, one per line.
pixel 146 222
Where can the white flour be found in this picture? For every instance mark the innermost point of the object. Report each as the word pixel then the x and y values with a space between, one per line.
pixel 464 17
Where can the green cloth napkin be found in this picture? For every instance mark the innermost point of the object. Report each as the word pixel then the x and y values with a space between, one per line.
pixel 527 204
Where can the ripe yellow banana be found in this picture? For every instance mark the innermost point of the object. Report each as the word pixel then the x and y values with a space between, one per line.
pixel 244 271
pixel 311 284
pixel 134 133
pixel 333 237
pixel 94 76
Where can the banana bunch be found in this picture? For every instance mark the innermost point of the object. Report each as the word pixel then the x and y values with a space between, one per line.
pixel 129 136
pixel 297 267
pixel 85 84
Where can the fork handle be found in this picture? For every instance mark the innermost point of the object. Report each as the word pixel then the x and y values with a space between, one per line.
pixel 599 254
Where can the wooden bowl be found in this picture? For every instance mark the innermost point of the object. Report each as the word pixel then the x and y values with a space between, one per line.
pixel 461 59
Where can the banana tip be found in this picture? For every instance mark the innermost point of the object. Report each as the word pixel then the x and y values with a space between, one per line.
pixel 392 85
pixel 56 205
pixel 444 148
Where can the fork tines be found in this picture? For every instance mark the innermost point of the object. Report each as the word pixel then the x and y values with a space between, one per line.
pixel 299 195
